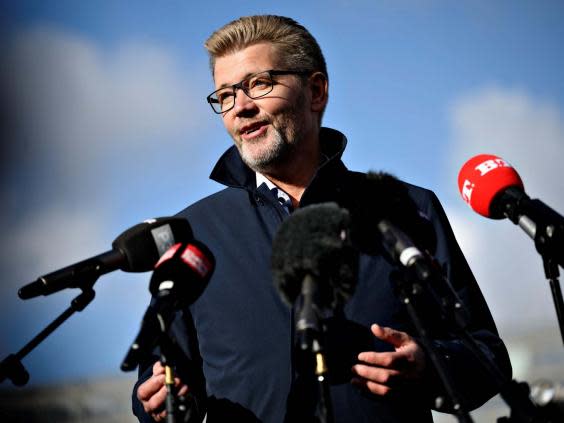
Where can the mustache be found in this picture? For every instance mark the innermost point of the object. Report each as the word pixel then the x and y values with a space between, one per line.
pixel 244 125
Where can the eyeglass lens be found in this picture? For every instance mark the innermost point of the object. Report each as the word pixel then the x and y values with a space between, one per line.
pixel 254 86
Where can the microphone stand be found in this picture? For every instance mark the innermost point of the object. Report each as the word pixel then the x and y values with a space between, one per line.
pixel 545 227
pixel 310 333
pixel 154 333
pixel 176 406
pixel 515 394
pixel 325 407
pixel 166 360
pixel 12 368
pixel 551 272
pixel 409 292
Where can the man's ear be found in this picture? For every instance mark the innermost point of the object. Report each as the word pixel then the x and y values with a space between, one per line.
pixel 319 86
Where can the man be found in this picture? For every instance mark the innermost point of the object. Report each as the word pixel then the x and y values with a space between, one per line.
pixel 271 89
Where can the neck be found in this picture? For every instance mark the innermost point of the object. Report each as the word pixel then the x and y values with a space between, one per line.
pixel 296 173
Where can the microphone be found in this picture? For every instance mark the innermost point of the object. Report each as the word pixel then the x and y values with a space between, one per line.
pixel 493 188
pixel 483 181
pixel 180 277
pixel 392 221
pixel 384 197
pixel 402 250
pixel 315 240
pixel 313 258
pixel 135 250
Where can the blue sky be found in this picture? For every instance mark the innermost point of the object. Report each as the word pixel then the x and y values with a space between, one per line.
pixel 108 125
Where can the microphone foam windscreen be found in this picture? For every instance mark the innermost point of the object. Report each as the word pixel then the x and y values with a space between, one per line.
pixel 483 177
pixel 315 240
pixel 386 197
pixel 146 242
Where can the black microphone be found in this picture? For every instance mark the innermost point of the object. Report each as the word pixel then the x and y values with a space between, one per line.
pixel 392 221
pixel 180 277
pixel 402 250
pixel 313 258
pixel 425 269
pixel 384 197
pixel 135 250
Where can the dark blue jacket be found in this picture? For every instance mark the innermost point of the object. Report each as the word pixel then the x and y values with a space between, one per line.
pixel 244 330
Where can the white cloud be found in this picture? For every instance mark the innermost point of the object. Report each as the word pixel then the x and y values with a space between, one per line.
pixel 56 238
pixel 529 133
pixel 84 102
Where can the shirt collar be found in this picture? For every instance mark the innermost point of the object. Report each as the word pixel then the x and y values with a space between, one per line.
pixel 261 179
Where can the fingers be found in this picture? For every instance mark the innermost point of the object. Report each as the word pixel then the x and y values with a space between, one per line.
pixel 182 390
pixel 159 417
pixel 153 404
pixel 375 374
pixel 152 393
pixel 150 387
pixel 368 385
pixel 382 372
pixel 391 336
pixel 158 369
pixel 382 359
pixel 377 380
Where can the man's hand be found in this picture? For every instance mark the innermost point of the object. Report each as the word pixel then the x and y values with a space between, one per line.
pixel 152 392
pixel 382 372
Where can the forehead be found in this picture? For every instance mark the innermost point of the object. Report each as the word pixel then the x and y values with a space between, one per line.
pixel 234 67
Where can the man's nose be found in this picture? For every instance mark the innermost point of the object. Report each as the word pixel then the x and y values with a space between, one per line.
pixel 243 102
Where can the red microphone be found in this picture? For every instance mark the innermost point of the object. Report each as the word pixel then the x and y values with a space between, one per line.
pixel 484 177
pixel 180 277
pixel 494 189
pixel 182 273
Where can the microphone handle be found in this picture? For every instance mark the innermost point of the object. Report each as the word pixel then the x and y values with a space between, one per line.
pixel 528 226
pixel 307 324
pixel 70 276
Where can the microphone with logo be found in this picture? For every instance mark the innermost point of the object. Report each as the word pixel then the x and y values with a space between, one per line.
pixel 493 188
pixel 135 250
pixel 400 229
pixel 180 277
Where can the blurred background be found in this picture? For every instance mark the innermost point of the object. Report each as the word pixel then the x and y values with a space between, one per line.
pixel 104 124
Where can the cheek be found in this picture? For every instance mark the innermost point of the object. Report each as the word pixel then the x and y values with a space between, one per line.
pixel 228 124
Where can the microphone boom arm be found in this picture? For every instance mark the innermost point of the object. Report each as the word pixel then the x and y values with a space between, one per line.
pixel 11 367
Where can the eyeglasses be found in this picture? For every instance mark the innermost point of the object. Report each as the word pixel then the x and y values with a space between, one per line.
pixel 254 86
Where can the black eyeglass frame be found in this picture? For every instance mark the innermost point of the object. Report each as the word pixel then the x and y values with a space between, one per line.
pixel 234 87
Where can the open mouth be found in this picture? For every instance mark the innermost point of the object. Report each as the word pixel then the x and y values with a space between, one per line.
pixel 253 129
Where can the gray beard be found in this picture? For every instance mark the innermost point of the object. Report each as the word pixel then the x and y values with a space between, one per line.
pixel 282 147
pixel 277 154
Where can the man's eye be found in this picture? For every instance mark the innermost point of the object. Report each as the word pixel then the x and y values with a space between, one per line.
pixel 224 97
pixel 259 83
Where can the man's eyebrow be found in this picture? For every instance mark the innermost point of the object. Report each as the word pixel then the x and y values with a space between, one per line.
pixel 245 77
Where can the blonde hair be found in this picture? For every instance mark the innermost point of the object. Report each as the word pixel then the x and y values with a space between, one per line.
pixel 297 48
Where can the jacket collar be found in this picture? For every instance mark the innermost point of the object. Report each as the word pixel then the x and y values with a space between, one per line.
pixel 231 171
